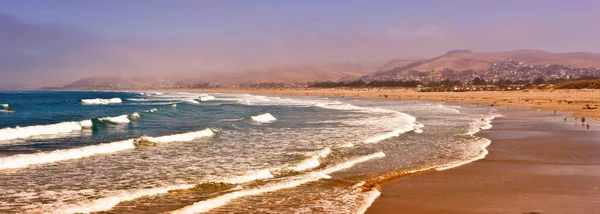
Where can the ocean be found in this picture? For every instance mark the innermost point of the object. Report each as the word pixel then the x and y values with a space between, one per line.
pixel 152 152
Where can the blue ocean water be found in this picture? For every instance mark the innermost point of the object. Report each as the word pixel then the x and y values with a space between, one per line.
pixel 151 152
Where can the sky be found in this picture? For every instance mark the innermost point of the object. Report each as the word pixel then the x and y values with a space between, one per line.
pixel 56 42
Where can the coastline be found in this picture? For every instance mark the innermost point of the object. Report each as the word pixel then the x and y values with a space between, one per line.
pixel 536 164
pixel 575 101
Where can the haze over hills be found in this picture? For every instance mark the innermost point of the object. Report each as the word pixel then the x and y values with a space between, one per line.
pixel 456 64
pixel 465 60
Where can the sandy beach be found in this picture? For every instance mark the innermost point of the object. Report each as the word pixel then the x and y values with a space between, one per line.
pixel 537 164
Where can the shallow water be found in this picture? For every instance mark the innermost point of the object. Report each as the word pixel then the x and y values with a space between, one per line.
pixel 219 152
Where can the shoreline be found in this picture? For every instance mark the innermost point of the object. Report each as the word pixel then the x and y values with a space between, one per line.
pixel 574 101
pixel 531 167
pixel 499 182
pixel 504 179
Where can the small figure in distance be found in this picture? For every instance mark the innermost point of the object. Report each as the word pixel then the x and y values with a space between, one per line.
pixel 565 119
pixel 587 126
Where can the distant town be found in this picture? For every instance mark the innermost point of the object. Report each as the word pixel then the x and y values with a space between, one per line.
pixel 500 75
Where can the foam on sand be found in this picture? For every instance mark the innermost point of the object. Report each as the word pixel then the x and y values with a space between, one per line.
pixel 484 143
pixel 264 118
pixel 207 205
pixel 370 198
pixel 99 101
pixel 25 160
pixel 52 129
pixel 312 161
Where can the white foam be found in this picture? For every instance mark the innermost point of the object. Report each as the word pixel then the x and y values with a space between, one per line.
pixel 370 198
pixel 181 137
pixel 24 160
pixel 312 161
pixel 206 97
pixel 174 105
pixel 151 110
pixel 52 129
pixel 207 205
pixel 264 118
pixel 4 105
pixel 193 101
pixel 135 115
pixel 109 202
pixel 250 176
pixel 118 119
pixel 482 153
pixel 484 124
pixel 99 101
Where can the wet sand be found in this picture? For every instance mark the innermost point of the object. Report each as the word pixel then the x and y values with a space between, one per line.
pixel 536 164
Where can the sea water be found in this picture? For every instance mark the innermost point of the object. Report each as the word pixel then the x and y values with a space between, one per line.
pixel 152 152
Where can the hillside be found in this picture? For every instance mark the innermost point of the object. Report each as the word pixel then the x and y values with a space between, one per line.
pixel 99 82
pixel 465 60
pixel 297 74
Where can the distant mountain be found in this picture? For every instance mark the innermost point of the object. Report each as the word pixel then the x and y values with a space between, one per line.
pixel 298 73
pixel 101 82
pixel 463 60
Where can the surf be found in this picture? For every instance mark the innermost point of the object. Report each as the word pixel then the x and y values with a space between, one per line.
pixel 264 118
pixel 37 130
pixel 99 101
pixel 210 204
pixel 26 160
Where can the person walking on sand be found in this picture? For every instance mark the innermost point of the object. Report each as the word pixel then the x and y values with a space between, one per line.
pixel 565 119
pixel 587 126
pixel 582 120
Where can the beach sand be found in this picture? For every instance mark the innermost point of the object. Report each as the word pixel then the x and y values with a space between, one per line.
pixel 537 164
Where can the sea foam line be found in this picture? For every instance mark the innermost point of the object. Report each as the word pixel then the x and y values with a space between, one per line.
pixel 25 160
pixel 207 205
pixel 107 203
pixel 99 101
pixel 51 129
pixel 264 118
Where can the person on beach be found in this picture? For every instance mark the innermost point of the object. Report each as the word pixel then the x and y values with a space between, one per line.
pixel 565 119
pixel 554 112
pixel 587 126
pixel 582 120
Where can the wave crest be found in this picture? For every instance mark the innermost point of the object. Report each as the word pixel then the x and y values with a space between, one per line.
pixel 52 129
pixel 264 118
pixel 25 160
pixel 99 101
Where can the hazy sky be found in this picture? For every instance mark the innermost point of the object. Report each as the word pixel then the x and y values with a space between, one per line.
pixel 55 42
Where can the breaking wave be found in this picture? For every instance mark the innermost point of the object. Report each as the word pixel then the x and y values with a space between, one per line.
pixel 52 129
pixel 109 202
pixel 118 119
pixel 4 105
pixel 206 97
pixel 207 205
pixel 99 101
pixel 25 160
pixel 312 161
pixel 264 118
